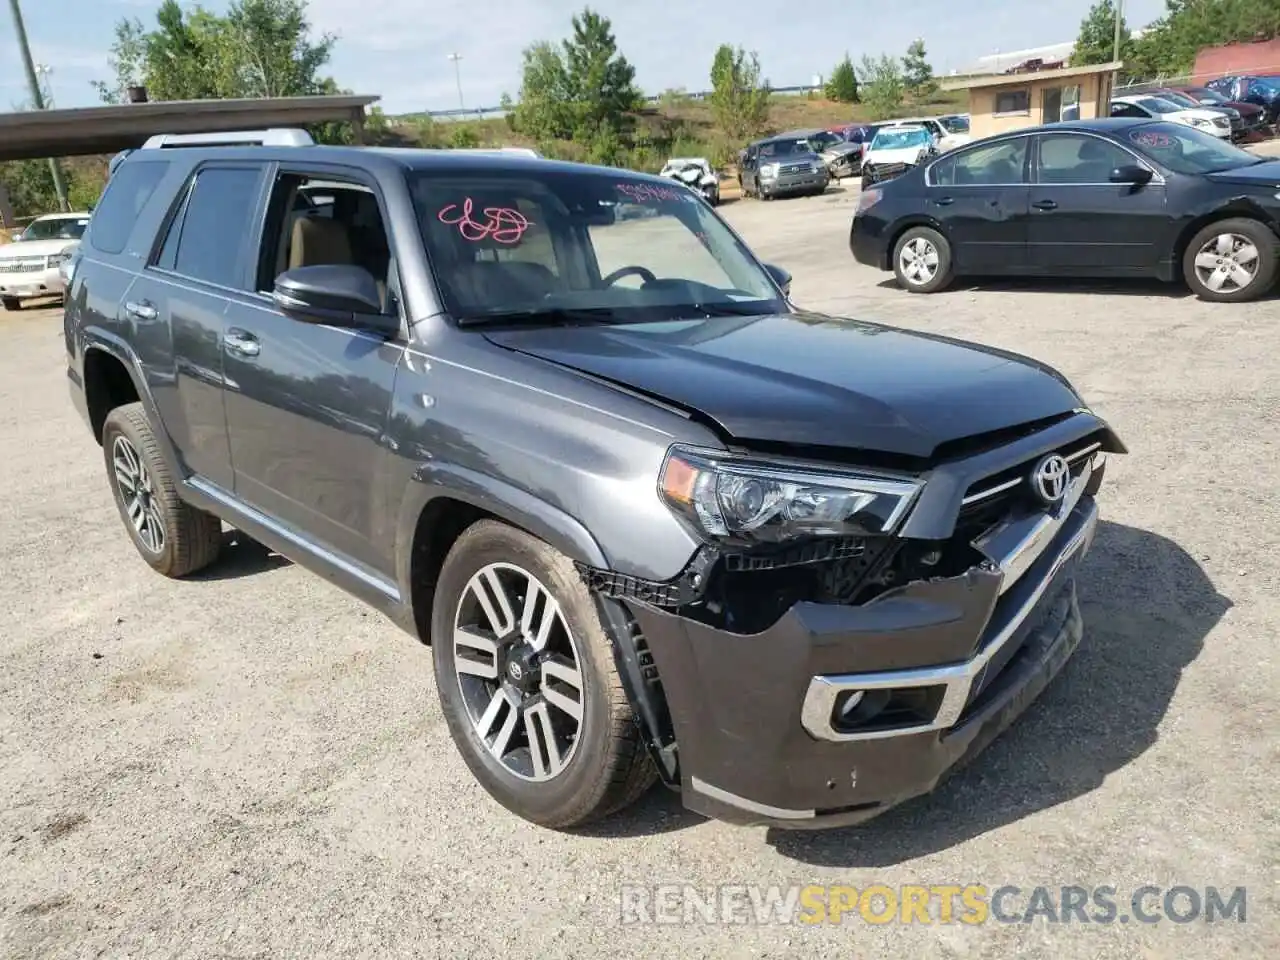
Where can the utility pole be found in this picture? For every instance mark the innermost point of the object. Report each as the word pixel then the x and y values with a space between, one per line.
pixel 1115 45
pixel 457 73
pixel 37 98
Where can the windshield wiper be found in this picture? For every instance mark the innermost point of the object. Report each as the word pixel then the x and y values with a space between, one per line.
pixel 555 316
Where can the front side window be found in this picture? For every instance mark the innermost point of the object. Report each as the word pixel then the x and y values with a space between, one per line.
pixel 986 165
pixel 525 244
pixel 1073 158
pixel 213 232
pixel 1184 149
pixel 784 148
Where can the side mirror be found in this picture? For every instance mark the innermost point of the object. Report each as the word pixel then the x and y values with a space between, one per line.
pixel 780 276
pixel 343 295
pixel 1131 173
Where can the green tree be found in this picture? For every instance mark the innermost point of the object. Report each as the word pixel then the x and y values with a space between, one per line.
pixel 739 98
pixel 842 85
pixel 917 74
pixel 1170 45
pixel 583 89
pixel 259 48
pixel 1096 41
pixel 882 85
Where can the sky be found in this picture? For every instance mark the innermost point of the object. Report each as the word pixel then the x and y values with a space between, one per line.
pixel 399 49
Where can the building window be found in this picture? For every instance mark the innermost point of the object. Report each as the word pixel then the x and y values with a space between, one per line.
pixel 1060 103
pixel 1013 102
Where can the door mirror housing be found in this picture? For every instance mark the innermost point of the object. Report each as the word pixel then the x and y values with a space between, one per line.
pixel 780 276
pixel 342 295
pixel 1131 173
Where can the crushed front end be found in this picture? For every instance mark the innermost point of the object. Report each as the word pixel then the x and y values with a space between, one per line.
pixel 819 682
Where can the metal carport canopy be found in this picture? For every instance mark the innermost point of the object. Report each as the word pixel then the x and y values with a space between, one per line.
pixel 35 134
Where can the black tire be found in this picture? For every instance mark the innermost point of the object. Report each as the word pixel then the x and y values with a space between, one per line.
pixel 190 538
pixel 12 304
pixel 1236 229
pixel 941 275
pixel 609 767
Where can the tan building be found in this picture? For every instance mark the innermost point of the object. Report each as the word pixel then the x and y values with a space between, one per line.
pixel 1009 101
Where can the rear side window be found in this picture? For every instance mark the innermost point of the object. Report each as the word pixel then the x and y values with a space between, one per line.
pixel 214 231
pixel 126 195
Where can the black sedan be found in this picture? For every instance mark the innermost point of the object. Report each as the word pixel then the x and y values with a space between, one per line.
pixel 1097 198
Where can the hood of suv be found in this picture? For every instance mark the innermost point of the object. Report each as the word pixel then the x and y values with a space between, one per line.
pixel 907 155
pixel 808 379
pixel 21 249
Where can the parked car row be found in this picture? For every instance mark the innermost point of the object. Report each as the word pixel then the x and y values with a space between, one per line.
pixel 1114 197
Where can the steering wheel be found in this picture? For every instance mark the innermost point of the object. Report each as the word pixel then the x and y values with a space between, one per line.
pixel 643 272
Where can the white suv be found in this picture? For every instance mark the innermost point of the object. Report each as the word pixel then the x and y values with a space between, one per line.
pixel 33 265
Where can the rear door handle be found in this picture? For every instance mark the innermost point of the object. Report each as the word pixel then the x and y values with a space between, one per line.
pixel 242 342
pixel 1045 205
pixel 141 310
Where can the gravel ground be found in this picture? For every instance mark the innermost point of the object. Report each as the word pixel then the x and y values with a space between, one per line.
pixel 252 764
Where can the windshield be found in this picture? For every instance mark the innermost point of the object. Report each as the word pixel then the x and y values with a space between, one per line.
pixel 821 141
pixel 55 228
pixel 530 245
pixel 785 148
pixel 1179 99
pixel 900 139
pixel 955 124
pixel 1184 149
pixel 1157 105
pixel 1206 96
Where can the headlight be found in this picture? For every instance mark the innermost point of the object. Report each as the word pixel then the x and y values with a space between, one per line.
pixel 58 259
pixel 726 497
pixel 1197 122
pixel 769 170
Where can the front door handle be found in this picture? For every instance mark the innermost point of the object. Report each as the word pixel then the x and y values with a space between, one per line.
pixel 141 310
pixel 242 342
pixel 944 201
pixel 1045 205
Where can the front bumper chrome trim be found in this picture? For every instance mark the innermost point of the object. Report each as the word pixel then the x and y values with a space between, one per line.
pixel 957 679
pixel 742 803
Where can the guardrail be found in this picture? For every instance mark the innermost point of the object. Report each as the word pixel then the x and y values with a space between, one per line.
pixel 476 113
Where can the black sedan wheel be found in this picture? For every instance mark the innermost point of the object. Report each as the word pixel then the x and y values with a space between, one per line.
pixel 1231 261
pixel 526 677
pixel 922 260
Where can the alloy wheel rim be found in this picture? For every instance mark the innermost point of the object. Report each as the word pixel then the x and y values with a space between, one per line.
pixel 1227 263
pixel 519 672
pixel 919 261
pixel 137 492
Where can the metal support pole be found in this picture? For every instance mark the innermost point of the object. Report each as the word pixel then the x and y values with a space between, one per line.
pixel 1115 45
pixel 457 74
pixel 37 99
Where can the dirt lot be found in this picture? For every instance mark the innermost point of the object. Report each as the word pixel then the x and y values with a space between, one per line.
pixel 251 764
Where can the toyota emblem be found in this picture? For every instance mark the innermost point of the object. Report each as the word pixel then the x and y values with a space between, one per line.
pixel 1049 478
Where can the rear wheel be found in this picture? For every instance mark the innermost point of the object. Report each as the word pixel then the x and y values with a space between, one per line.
pixel 172 536
pixel 528 684
pixel 1231 261
pixel 922 260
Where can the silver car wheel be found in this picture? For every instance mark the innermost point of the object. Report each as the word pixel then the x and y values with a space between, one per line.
pixel 1227 262
pixel 919 261
pixel 519 672
pixel 137 493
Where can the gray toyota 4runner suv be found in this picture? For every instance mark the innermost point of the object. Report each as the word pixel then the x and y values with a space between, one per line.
pixel 560 423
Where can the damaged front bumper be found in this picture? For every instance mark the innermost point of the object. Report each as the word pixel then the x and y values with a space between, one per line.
pixel 836 713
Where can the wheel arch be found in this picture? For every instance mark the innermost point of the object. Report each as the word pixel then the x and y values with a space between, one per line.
pixel 1239 208
pixel 443 501
pixel 109 382
pixel 901 227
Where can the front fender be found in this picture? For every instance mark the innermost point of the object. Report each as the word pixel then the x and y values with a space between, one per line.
pixel 505 501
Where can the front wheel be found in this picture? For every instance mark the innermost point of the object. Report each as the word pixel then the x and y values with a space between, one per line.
pixel 922 260
pixel 1231 261
pixel 528 684
pixel 12 304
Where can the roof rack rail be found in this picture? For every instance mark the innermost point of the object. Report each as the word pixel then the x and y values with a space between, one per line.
pixel 519 151
pixel 275 137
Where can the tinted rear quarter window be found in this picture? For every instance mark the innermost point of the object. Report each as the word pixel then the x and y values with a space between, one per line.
pixel 127 193
pixel 217 226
